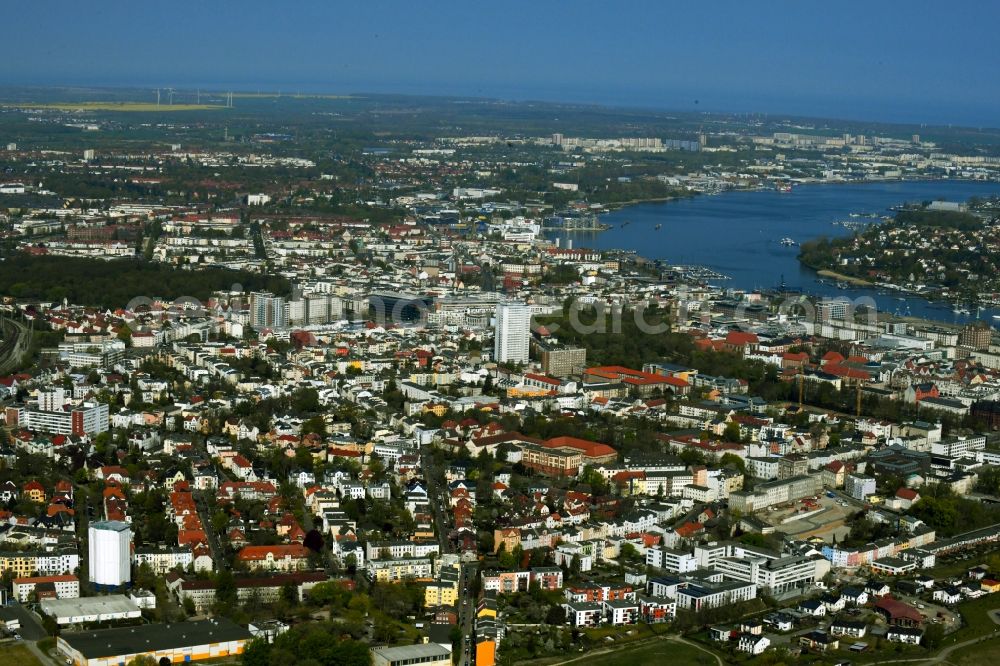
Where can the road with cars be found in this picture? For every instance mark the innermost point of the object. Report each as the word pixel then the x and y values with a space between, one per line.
pixel 437 494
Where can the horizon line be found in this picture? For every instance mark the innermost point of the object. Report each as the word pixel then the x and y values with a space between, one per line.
pixel 316 91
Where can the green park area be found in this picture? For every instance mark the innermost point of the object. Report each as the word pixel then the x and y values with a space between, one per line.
pixel 18 653
pixel 979 654
pixel 652 652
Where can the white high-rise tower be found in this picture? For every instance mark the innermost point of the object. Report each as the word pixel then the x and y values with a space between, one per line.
pixel 512 333
pixel 110 550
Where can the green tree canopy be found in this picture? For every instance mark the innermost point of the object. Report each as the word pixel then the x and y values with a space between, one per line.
pixel 313 643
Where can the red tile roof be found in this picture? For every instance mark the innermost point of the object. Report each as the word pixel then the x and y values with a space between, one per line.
pixel 739 338
pixel 832 357
pixel 278 552
pixel 588 448
pixel 897 610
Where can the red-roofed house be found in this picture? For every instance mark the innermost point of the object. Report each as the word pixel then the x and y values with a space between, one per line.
pixel 904 499
pixel 594 453
pixel 191 537
pixel 833 357
pixel 34 491
pixel 739 342
pixel 847 373
pixel 688 530
pixel 638 382
pixel 917 392
pixel 834 474
pixel 293 557
pixel 897 613
pixel 796 360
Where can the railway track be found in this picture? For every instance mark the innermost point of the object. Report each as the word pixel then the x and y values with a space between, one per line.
pixel 13 345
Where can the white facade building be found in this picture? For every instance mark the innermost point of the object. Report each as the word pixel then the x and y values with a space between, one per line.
pixel 110 549
pixel 513 330
pixel 66 586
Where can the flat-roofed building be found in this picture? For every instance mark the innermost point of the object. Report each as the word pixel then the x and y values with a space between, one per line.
pixel 961 446
pixel 88 418
pixel 407 568
pixel 698 596
pixel 775 575
pixel 425 654
pixel 671 559
pixel 560 361
pixel 177 643
pixel 90 609
pixel 775 492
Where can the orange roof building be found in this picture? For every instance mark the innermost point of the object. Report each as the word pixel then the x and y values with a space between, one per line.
pixel 291 557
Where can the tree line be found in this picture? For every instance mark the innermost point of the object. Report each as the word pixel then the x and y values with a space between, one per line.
pixel 113 283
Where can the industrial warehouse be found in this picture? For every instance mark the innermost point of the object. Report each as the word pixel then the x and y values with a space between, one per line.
pixel 186 641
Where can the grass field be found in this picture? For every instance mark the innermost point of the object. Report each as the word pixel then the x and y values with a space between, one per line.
pixel 652 653
pixel 977 655
pixel 125 107
pixel 267 95
pixel 977 622
pixel 18 654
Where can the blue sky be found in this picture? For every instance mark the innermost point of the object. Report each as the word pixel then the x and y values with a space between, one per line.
pixel 915 61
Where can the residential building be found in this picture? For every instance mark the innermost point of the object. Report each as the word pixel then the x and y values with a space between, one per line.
pixel 584 613
pixel 291 557
pixel 390 571
pixel 268 311
pixel 696 596
pixel 562 361
pixel 61 587
pixel 512 333
pixel 89 418
pixel 859 486
pixel 768 494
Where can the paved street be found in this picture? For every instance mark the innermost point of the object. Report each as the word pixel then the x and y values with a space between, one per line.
pixel 31 628
pixel 437 492
pixel 204 506
pixel 438 498
pixel 467 614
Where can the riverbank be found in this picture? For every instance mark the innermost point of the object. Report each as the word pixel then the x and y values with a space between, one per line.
pixel 857 282
pixel 621 205
pixel 739 235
